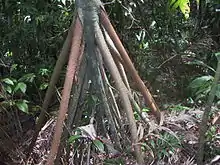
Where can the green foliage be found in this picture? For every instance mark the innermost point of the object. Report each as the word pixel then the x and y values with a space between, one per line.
pixel 182 4
pixel 177 107
pixel 144 112
pixel 87 135
pixel 73 138
pixel 211 134
pixel 201 86
pixel 200 63
pixel 19 90
pixel 22 105
pixel 15 90
pixel 164 145
pixel 32 32
pixel 141 38
pixel 212 142
pixel 98 145
pixel 156 35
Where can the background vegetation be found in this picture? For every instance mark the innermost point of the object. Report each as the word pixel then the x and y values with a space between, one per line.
pixel 173 45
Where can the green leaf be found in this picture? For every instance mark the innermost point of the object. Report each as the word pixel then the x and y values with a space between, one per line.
pixel 8 81
pixel 217 56
pixel 145 110
pixel 6 103
pixel 8 54
pixel 205 89
pixel 22 86
pixel 8 89
pixel 36 108
pixel 13 67
pixel 200 63
pixel 99 145
pixel 152 143
pixel 44 72
pixel 182 4
pixel 22 105
pixel 164 152
pixel 73 138
pixel 43 86
pixel 27 78
pixel 184 7
pixel 200 81
pixel 178 107
pixel 199 96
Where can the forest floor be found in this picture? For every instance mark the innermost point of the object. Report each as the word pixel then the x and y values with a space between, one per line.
pixel 180 129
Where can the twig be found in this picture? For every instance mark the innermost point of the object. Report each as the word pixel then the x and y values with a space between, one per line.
pixel 166 61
